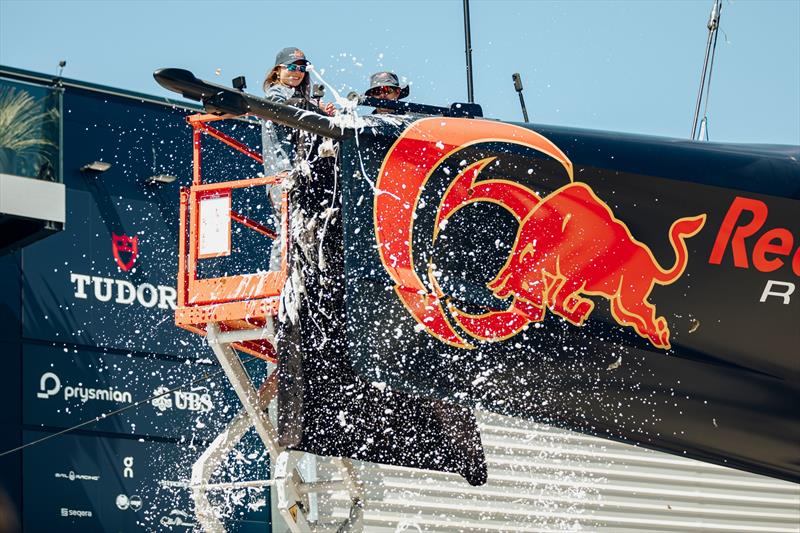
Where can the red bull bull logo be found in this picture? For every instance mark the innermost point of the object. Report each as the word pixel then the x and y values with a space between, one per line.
pixel 569 245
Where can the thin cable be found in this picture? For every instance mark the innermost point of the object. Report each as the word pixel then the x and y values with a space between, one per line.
pixel 712 25
pixel 121 409
pixel 710 72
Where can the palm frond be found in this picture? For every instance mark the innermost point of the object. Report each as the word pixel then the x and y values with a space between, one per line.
pixel 24 122
pixel 22 118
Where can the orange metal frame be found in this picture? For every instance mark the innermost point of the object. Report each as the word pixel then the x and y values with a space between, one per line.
pixel 234 302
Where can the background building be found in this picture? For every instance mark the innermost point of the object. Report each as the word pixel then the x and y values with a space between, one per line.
pixel 88 325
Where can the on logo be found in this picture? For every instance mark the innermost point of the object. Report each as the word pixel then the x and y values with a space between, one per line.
pixel 44 391
pixel 122 244
pixel 127 470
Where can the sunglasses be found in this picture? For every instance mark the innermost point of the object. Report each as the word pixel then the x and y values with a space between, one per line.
pixel 292 67
pixel 385 90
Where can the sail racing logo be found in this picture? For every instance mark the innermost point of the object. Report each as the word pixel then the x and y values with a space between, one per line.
pixel 568 244
pixel 73 476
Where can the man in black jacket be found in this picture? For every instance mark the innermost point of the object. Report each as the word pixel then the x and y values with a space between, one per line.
pixel 386 85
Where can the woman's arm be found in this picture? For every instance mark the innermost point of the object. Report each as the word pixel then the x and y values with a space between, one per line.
pixel 286 95
pixel 278 94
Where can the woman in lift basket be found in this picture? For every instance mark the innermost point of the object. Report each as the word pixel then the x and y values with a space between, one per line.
pixel 287 83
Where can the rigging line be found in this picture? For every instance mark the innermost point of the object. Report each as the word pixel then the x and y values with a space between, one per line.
pixel 712 25
pixel 109 414
pixel 710 72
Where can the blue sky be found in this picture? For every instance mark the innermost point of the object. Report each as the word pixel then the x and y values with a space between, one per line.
pixel 629 66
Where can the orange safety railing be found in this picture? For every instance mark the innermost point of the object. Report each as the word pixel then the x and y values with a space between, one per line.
pixel 238 302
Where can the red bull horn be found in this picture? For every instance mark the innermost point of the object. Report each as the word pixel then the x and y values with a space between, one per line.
pixel 569 244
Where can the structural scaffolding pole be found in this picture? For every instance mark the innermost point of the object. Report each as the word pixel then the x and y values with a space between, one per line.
pixel 713 26
pixel 468 52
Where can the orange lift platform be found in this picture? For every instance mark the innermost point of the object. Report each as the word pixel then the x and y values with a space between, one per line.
pixel 239 304
pixel 237 313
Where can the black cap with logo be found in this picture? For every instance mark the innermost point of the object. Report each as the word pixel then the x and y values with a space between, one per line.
pixel 386 79
pixel 290 55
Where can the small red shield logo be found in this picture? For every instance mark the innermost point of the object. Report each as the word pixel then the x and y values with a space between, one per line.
pixel 122 245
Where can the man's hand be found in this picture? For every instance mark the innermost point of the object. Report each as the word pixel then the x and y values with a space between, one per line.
pixel 328 108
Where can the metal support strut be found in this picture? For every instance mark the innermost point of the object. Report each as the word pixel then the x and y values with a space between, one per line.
pixel 711 47
pixel 292 491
